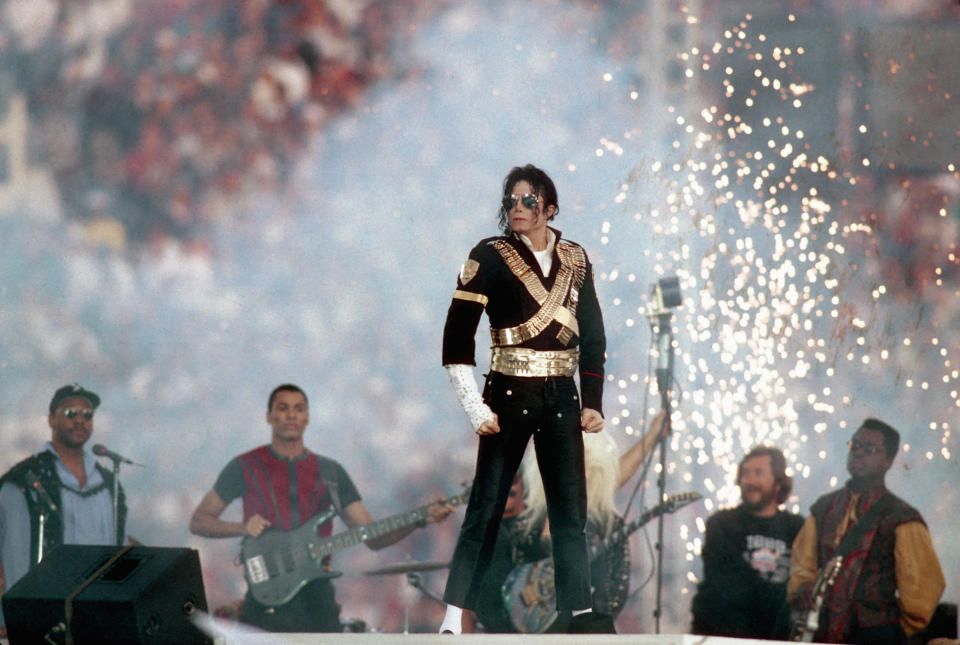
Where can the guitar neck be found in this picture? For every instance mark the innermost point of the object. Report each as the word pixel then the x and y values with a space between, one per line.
pixel 621 534
pixel 375 529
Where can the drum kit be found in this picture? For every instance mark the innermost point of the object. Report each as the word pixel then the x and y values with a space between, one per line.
pixel 411 566
pixel 412 569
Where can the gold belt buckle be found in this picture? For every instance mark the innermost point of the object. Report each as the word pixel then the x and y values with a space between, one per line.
pixel 515 361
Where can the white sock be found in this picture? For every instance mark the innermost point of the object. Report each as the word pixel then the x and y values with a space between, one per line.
pixel 577 612
pixel 451 620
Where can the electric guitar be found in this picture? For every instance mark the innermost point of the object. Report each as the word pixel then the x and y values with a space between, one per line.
pixel 806 626
pixel 529 594
pixel 277 563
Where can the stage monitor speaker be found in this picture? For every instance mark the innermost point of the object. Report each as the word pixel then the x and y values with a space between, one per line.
pixel 117 595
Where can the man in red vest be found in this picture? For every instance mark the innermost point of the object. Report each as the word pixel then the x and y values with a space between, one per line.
pixel 890 580
pixel 283 485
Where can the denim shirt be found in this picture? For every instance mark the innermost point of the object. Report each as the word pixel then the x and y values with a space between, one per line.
pixel 86 520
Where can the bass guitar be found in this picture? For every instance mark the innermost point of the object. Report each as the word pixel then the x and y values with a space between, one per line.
pixel 807 624
pixel 529 594
pixel 277 564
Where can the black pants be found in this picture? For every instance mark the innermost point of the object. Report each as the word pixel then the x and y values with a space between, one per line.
pixel 313 609
pixel 884 635
pixel 549 410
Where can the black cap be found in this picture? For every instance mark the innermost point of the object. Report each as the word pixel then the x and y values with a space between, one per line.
pixel 74 389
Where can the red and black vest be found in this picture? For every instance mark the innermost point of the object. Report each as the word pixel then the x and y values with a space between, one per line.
pixel 286 492
pixel 865 593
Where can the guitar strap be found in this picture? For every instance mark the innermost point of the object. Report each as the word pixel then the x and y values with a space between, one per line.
pixel 313 501
pixel 848 543
pixel 853 536
pixel 334 495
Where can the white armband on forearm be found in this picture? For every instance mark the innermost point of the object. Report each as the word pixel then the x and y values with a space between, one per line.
pixel 465 385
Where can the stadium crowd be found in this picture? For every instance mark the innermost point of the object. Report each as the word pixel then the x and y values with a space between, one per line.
pixel 159 119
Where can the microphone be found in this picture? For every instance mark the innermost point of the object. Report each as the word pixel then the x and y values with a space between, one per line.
pixel 665 346
pixel 664 354
pixel 101 450
pixel 666 295
pixel 41 492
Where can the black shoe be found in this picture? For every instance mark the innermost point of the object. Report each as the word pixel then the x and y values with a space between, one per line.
pixel 591 623
pixel 560 624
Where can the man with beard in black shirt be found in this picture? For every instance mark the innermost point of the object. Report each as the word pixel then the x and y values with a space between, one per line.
pixel 746 555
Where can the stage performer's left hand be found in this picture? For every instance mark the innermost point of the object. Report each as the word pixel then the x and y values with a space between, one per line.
pixel 439 511
pixel 590 420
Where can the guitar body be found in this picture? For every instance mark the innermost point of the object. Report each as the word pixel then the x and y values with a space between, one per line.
pixel 277 564
pixel 530 596
pixel 808 624
pixel 529 592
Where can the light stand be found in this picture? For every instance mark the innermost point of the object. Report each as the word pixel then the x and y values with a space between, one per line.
pixel 666 296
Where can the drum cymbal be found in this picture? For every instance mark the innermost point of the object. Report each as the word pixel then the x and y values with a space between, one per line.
pixel 407 567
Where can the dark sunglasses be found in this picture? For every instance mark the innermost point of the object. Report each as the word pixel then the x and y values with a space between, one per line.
pixel 866 448
pixel 71 413
pixel 529 200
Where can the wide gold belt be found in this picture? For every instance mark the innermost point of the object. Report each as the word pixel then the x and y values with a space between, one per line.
pixel 519 361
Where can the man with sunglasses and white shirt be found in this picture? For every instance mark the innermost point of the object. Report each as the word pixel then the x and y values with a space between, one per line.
pixel 61 492
pixel 546 326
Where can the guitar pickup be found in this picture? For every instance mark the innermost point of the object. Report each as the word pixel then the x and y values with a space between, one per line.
pixel 257 570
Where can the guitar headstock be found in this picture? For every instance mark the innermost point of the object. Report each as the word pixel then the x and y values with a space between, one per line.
pixel 674 502
pixel 668 505
pixel 463 496
pixel 465 488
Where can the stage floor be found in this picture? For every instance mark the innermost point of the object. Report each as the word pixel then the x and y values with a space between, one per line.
pixel 484 639
pixel 498 639
pixel 258 638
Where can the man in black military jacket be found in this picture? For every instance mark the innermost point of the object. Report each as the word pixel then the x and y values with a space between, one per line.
pixel 546 326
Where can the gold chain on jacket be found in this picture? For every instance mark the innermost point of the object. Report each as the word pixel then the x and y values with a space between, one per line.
pixel 570 277
pixel 574 257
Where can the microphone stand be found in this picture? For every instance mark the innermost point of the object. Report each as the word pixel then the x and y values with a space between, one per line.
pixel 116 459
pixel 101 451
pixel 47 507
pixel 116 501
pixel 40 535
pixel 664 379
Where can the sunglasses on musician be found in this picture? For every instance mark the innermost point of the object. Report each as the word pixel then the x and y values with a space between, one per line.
pixel 529 200
pixel 867 449
pixel 73 413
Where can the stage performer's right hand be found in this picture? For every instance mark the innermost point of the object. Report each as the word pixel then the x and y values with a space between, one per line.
pixel 490 426
pixel 255 525
pixel 802 599
pixel 482 418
